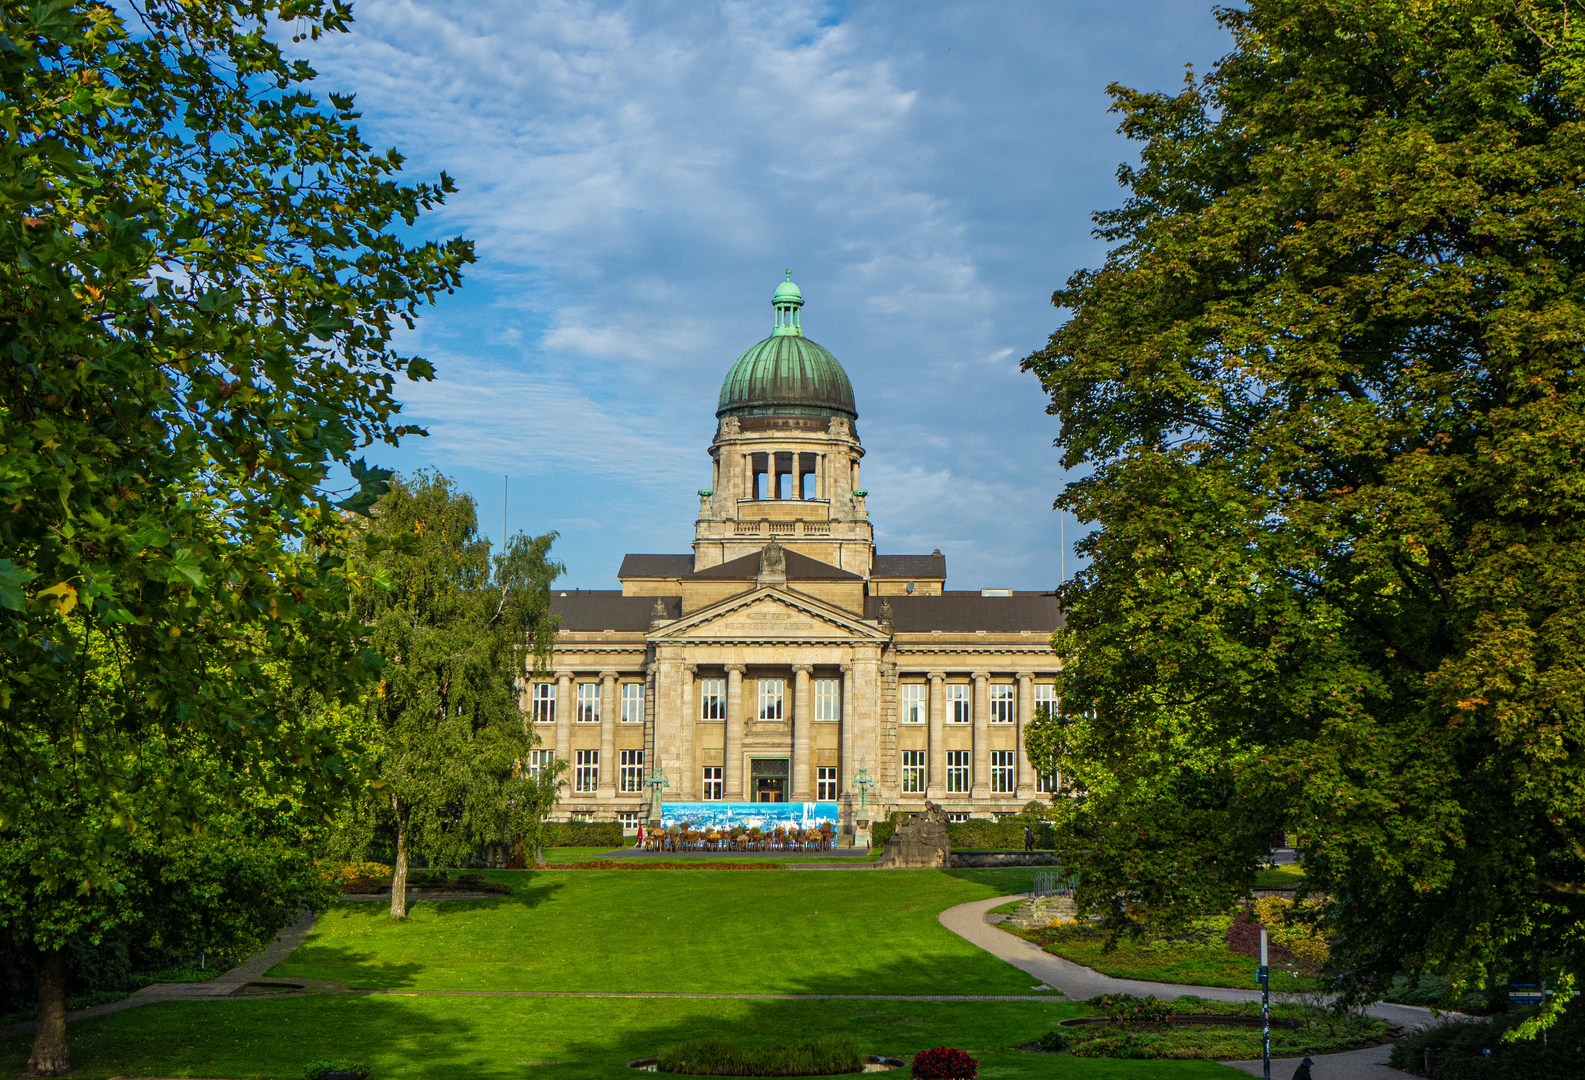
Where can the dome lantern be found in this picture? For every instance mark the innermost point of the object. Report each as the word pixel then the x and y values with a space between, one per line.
pixel 787 301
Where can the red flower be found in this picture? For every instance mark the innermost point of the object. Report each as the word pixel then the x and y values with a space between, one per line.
pixel 945 1063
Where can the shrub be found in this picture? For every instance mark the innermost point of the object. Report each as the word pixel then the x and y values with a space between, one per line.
pixel 1054 1040
pixel 825 1056
pixel 1463 1047
pixel 944 1063
pixel 317 1069
pixel 582 834
pixel 1005 833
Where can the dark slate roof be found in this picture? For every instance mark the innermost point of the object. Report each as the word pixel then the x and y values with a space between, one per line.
pixel 929 567
pixel 652 566
pixel 608 609
pixel 799 568
pixel 969 611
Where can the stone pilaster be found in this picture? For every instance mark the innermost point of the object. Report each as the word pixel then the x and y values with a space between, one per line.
pixel 732 758
pixel 565 710
pixel 845 777
pixel 802 716
pixel 936 789
pixel 1026 713
pixel 685 779
pixel 980 789
pixel 610 713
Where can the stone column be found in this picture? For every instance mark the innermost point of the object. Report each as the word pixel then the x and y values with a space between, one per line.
pixel 936 788
pixel 732 756
pixel 565 711
pixel 1026 712
pixel 802 716
pixel 686 782
pixel 981 787
pixel 610 709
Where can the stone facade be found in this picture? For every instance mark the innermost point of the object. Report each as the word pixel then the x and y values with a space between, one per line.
pixel 784 660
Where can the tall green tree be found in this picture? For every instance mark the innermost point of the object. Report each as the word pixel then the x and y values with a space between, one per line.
pixel 459 630
pixel 1328 388
pixel 198 299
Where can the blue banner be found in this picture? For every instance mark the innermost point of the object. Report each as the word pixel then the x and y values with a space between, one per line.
pixel 749 815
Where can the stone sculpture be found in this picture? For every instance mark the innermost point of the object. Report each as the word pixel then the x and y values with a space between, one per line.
pixel 920 841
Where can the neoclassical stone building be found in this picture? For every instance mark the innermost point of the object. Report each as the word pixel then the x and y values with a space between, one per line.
pixel 784 660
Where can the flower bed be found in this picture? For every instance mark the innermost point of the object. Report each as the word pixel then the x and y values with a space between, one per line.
pixel 826 1056
pixel 944 1063
pixel 1192 1028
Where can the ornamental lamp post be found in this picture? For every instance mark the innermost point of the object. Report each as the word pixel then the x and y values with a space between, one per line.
pixel 863 782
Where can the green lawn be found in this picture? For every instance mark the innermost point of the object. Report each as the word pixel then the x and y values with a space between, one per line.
pixel 731 932
pixel 1198 957
pixel 499 1038
pixel 1279 877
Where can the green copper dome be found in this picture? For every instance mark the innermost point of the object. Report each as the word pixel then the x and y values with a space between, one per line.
pixel 786 374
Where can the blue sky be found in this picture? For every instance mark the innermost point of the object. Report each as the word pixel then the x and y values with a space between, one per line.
pixel 636 177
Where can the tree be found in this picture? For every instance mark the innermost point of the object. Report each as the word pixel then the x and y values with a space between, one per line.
pixel 1328 387
pixel 458 631
pixel 196 319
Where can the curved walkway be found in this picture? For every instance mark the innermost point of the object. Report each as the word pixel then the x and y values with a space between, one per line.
pixel 1078 983
pixel 222 986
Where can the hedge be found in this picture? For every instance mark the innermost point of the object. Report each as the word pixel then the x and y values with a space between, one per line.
pixel 583 834
pixel 1006 834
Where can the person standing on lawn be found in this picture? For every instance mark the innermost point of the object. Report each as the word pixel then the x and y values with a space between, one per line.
pixel 1029 839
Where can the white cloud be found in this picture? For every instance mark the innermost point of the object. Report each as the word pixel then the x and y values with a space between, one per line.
pixel 636 175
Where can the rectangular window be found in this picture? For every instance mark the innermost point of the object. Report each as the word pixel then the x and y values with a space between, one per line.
pixel 543 703
pixel 1002 699
pixel 959 708
pixel 588 703
pixel 631 778
pixel 916 709
pixel 712 699
pixel 958 772
pixel 961 815
pixel 1048 783
pixel 586 770
pixel 826 784
pixel 913 772
pixel 581 815
pixel 632 703
pixel 629 820
pixel 770 695
pixel 1046 698
pixel 712 783
pixel 1001 772
pixel 540 759
pixel 828 699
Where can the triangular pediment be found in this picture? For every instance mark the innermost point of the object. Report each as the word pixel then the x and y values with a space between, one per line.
pixel 768 613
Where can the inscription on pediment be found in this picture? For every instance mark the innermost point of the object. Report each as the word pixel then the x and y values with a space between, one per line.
pixel 768 619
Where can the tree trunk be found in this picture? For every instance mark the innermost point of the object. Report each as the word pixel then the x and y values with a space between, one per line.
pixel 49 1045
pixel 399 871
